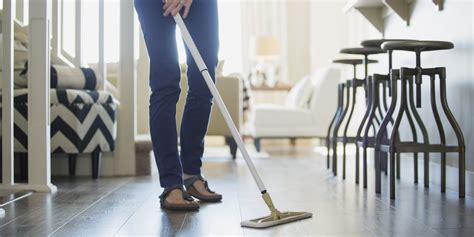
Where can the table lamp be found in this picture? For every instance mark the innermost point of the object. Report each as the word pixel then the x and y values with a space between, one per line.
pixel 265 50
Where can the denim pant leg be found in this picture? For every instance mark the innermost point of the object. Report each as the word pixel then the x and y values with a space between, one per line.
pixel 202 23
pixel 160 38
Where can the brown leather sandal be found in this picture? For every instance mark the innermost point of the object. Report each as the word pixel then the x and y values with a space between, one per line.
pixel 189 184
pixel 192 206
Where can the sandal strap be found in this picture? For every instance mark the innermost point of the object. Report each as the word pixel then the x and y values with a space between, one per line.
pixel 187 196
pixel 190 182
pixel 167 191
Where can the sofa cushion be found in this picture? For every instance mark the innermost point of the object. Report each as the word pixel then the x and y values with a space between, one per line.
pixel 300 94
pixel 20 54
pixel 66 77
pixel 324 82
pixel 270 115
pixel 279 121
pixel 67 96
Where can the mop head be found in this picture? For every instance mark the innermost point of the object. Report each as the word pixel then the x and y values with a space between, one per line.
pixel 271 220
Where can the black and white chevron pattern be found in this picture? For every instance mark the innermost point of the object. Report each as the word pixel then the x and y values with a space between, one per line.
pixel 81 121
pixel 64 77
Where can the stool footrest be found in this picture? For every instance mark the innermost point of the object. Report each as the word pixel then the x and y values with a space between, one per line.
pixel 408 147
pixel 348 139
pixel 369 142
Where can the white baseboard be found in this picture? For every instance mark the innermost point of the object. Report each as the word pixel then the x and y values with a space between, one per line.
pixel 452 180
pixel 451 177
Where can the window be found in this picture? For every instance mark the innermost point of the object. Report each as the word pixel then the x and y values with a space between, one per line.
pixel 111 28
pixel 229 29
pixel 230 37
pixel 68 28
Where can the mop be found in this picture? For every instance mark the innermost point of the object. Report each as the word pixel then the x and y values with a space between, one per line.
pixel 276 217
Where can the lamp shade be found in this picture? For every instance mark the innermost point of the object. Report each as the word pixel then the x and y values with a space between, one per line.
pixel 266 47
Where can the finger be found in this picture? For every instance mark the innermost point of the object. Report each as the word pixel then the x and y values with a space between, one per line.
pixel 170 8
pixel 186 9
pixel 186 12
pixel 177 9
pixel 166 4
pixel 169 3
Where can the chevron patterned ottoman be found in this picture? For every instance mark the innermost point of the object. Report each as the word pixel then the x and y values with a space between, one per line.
pixel 82 121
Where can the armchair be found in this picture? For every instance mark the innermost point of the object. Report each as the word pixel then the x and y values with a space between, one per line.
pixel 307 113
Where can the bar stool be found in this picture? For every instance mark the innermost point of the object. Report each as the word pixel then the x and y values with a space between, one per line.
pixel 342 108
pixel 376 109
pixel 365 52
pixel 411 77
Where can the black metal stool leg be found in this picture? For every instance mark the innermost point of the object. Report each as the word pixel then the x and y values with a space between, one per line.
pixel 442 136
pixel 346 127
pixel 415 139
pixel 336 129
pixel 329 138
pixel 378 171
pixel 344 137
pixel 357 165
pixel 364 164
pixel 373 105
pixel 361 127
pixel 424 132
pixel 457 131
pixel 392 175
pixel 396 126
pixel 382 134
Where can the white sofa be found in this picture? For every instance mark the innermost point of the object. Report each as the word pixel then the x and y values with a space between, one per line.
pixel 307 113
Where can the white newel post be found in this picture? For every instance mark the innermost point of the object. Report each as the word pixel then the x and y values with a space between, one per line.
pixel 126 123
pixel 7 92
pixel 102 64
pixel 39 160
pixel 79 29
pixel 7 97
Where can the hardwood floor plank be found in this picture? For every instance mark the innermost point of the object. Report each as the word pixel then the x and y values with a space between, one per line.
pixel 41 213
pixel 297 180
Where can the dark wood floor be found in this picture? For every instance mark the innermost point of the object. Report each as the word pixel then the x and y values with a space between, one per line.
pixel 297 179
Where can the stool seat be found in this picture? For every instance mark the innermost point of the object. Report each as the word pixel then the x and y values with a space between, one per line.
pixel 353 61
pixel 417 46
pixel 362 51
pixel 377 43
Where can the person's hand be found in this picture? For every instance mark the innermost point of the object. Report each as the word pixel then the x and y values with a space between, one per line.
pixel 174 6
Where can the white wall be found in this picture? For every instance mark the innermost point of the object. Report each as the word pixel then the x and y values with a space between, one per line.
pixel 329 31
pixel 455 24
pixel 298 39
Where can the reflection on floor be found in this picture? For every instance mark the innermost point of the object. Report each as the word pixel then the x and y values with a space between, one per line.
pixel 297 179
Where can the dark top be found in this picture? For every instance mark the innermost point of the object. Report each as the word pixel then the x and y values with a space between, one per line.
pixel 362 51
pixel 417 46
pixel 377 43
pixel 352 61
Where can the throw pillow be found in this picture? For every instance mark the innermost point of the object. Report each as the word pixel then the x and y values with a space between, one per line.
pixel 300 94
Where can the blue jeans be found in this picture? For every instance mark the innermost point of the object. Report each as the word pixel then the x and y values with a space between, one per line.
pixel 160 38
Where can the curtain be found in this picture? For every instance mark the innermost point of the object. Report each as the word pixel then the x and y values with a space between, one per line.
pixel 263 17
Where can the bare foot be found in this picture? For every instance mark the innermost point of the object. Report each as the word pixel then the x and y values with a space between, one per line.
pixel 199 185
pixel 176 197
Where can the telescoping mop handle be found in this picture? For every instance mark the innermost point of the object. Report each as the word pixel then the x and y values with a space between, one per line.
pixel 188 40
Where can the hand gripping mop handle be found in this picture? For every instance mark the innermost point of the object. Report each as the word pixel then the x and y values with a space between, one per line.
pixel 217 98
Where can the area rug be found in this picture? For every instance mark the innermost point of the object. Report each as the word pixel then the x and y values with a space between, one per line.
pixel 223 152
